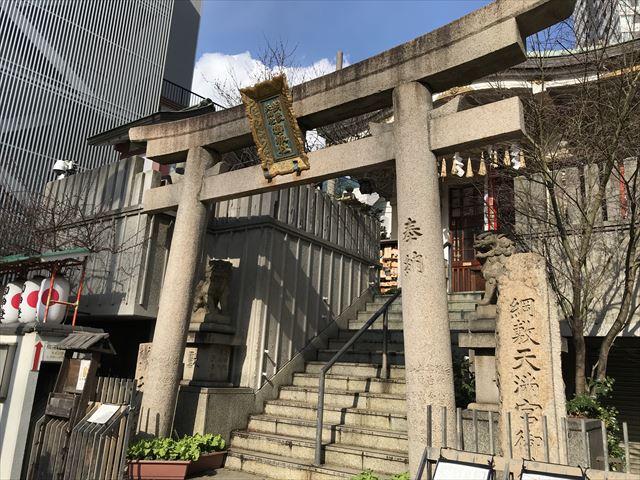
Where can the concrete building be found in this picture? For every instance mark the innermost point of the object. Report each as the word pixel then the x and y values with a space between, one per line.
pixel 606 21
pixel 73 69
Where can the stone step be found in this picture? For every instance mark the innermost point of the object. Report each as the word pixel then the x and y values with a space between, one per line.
pixel 461 306
pixel 462 315
pixel 351 383
pixel 340 455
pixel 338 415
pixel 381 402
pixel 356 324
pixel 363 317
pixel 383 298
pixel 393 336
pixel 356 369
pixel 275 467
pixel 466 296
pixel 331 433
pixel 373 307
pixel 363 346
pixel 394 357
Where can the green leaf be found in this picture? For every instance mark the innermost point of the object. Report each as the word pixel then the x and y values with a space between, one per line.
pixel 189 447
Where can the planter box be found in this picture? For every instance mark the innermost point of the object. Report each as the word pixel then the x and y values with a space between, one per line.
pixel 174 469
pixel 158 469
pixel 207 461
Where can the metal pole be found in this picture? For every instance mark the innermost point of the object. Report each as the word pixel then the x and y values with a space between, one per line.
pixel 444 426
pixel 605 445
pixel 527 439
pixel 565 439
pixel 424 461
pixel 385 358
pixel 625 436
pixel 545 438
pixel 430 440
pixel 80 285
pixel 318 456
pixel 459 428
pixel 492 445
pixel 585 442
pixel 509 434
pixel 51 284
pixel 475 430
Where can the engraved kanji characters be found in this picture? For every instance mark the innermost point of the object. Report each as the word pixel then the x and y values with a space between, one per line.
pixel 526 383
pixel 276 123
pixel 526 365
pixel 411 230
pixel 413 261
pixel 522 312
pixel 524 357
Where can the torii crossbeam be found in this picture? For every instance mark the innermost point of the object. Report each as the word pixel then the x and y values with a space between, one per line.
pixel 484 42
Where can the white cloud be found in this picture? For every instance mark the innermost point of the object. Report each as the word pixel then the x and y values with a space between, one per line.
pixel 236 71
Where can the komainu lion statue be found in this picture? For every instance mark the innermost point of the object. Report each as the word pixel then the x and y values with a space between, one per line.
pixel 492 249
pixel 212 292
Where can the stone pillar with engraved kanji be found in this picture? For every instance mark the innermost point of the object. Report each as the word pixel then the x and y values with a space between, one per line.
pixel 427 341
pixel 528 364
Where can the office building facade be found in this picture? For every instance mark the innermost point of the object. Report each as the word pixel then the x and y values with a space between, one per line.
pixel 600 22
pixel 70 69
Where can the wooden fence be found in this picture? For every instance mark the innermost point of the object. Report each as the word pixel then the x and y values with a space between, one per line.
pixel 87 449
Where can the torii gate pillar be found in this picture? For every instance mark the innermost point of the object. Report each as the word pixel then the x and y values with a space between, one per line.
pixel 427 341
pixel 164 369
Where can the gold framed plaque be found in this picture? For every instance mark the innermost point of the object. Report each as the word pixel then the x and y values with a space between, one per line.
pixel 274 128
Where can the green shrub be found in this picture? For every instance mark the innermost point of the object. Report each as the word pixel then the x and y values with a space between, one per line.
pixel 366 475
pixel 590 405
pixel 401 476
pixel 185 448
pixel 464 380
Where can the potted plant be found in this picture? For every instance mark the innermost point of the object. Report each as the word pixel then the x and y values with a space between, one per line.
pixel 169 459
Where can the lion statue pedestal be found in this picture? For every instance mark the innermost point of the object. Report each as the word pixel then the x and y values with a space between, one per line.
pixel 207 356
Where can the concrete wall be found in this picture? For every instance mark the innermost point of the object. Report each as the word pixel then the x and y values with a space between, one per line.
pixel 126 282
pixel 299 257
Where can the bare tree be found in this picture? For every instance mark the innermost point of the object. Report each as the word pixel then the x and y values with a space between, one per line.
pixel 34 223
pixel 577 202
pixel 279 58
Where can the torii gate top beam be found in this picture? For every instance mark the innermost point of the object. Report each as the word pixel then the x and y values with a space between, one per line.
pixel 487 40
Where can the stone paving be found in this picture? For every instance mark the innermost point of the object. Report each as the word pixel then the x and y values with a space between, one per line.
pixel 225 474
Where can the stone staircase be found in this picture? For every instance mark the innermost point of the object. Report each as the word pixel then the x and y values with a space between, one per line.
pixel 365 421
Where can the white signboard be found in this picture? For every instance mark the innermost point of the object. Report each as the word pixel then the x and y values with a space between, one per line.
pixel 51 354
pixel 82 374
pixel 446 470
pixel 103 413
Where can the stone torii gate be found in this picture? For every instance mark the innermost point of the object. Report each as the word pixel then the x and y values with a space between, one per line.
pixel 405 77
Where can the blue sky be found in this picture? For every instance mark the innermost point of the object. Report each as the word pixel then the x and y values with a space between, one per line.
pixel 320 28
pixel 232 33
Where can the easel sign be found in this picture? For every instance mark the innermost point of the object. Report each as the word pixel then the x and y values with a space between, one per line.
pixel 450 470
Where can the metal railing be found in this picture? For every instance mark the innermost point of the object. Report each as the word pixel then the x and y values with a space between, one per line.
pixel 384 311
pixel 178 95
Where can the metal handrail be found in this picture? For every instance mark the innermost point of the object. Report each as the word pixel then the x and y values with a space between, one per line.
pixel 323 371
